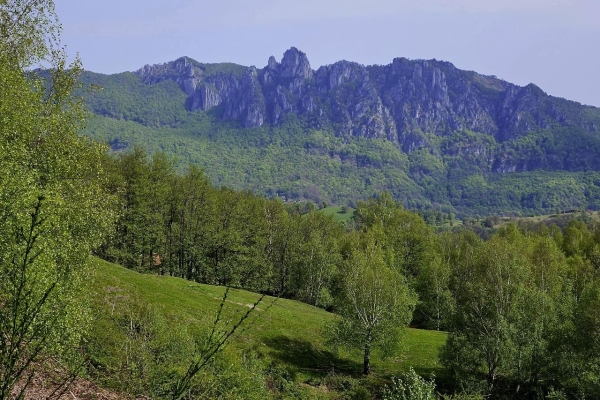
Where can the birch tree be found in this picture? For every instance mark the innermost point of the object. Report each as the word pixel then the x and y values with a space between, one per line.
pixel 375 303
pixel 53 210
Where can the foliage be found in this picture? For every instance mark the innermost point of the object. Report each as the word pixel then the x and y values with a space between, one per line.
pixel 374 303
pixel 182 226
pixel 135 349
pixel 464 172
pixel 436 304
pixel 405 236
pixel 29 32
pixel 116 97
pixel 281 350
pixel 53 209
pixel 487 293
pixel 517 323
pixel 520 305
pixel 409 386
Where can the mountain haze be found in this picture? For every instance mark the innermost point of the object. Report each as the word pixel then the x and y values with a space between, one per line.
pixel 432 134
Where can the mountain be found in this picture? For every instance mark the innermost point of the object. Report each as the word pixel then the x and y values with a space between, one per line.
pixel 395 101
pixel 434 135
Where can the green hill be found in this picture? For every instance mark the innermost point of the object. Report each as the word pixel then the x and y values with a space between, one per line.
pixel 296 163
pixel 283 335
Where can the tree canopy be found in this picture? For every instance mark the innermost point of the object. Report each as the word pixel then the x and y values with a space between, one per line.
pixel 53 206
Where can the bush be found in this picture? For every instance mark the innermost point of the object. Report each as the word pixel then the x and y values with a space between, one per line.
pixel 136 350
pixel 409 386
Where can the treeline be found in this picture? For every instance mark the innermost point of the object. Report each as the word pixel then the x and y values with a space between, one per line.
pixel 521 307
pixel 180 225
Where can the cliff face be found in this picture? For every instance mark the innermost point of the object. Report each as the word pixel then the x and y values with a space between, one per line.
pixel 405 102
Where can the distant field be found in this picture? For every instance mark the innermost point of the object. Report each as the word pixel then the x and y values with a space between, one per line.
pixel 339 213
pixel 595 215
pixel 557 218
pixel 284 331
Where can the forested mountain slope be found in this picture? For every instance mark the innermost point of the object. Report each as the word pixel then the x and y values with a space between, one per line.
pixel 431 134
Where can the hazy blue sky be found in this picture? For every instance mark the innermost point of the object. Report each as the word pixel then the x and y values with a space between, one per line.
pixel 552 43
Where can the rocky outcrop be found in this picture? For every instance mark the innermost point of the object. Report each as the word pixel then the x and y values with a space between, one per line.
pixel 181 71
pixel 248 104
pixel 355 101
pixel 295 65
pixel 205 98
pixel 406 101
pixel 241 97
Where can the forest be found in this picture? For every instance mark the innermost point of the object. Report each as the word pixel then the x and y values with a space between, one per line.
pixel 296 161
pixel 518 309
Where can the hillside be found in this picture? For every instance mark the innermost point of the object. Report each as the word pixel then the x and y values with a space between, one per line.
pixel 431 134
pixel 282 333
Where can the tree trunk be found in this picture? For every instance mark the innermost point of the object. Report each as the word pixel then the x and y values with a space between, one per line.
pixel 367 360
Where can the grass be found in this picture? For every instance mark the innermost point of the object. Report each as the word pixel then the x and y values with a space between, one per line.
pixel 338 213
pixel 561 218
pixel 281 331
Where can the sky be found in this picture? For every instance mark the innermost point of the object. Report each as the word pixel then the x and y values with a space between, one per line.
pixel 552 43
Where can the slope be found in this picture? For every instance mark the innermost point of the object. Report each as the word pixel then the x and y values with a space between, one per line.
pixel 282 333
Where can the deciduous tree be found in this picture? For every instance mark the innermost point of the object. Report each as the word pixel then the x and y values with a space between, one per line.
pixel 375 303
pixel 53 209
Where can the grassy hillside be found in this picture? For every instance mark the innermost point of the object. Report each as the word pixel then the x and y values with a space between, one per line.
pixel 280 332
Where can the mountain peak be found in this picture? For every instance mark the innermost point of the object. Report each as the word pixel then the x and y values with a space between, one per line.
pixel 272 64
pixel 295 64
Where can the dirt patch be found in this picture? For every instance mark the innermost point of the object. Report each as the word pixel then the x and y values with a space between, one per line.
pixel 239 304
pixel 48 383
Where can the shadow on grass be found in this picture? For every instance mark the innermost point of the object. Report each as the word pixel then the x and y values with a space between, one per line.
pixel 428 372
pixel 303 355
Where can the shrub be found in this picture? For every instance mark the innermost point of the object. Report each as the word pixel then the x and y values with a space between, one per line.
pixel 409 386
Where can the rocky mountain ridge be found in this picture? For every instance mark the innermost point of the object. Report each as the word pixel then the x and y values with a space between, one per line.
pixel 432 135
pixel 405 101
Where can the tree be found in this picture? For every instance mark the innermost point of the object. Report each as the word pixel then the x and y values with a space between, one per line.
pixel 281 244
pixel 237 241
pixel 53 209
pixel 406 238
pixel 577 350
pixel 29 32
pixel 510 307
pixel 132 183
pixel 197 201
pixel 318 258
pixel 375 303
pixel 436 303
pixel 488 304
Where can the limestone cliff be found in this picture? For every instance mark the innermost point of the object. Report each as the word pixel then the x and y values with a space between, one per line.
pixel 406 101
